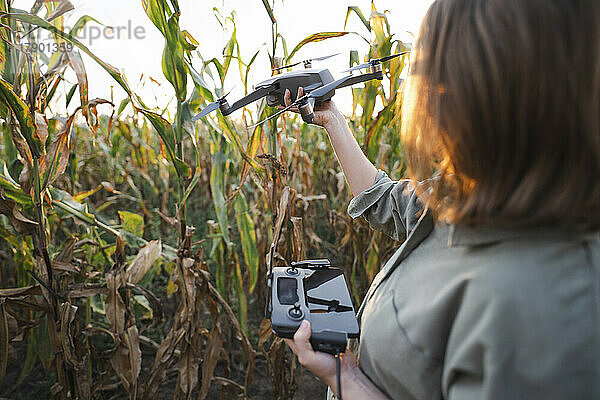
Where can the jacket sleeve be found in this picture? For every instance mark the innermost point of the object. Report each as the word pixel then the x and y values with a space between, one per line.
pixel 391 207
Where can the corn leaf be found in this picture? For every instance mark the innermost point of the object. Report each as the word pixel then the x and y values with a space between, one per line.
pixel 241 294
pixel 132 223
pixel 217 188
pixel 247 238
pixel 143 261
pixel 21 111
pixel 269 11
pixel 359 14
pixel 81 22
pixel 315 37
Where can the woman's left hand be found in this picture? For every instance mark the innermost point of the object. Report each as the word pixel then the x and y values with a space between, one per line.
pixel 321 364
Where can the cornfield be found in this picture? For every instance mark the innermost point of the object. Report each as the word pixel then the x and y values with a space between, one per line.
pixel 134 245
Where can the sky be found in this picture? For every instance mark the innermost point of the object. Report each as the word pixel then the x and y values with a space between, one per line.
pixel 137 52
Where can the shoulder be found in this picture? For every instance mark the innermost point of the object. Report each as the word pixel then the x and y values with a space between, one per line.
pixel 528 318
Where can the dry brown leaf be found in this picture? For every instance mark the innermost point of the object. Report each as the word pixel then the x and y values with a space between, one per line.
pixel 63 7
pixel 4 336
pixel 41 128
pixel 284 201
pixel 297 239
pixel 67 314
pixel 212 354
pixel 188 367
pixel 163 358
pixel 127 360
pixel 143 261
pixel 8 207
pixel 264 332
pixel 22 291
pixel 114 305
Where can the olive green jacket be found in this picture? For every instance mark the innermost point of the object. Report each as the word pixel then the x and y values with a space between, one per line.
pixel 478 313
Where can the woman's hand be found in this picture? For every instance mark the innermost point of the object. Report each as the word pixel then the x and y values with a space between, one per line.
pixel 322 364
pixel 325 114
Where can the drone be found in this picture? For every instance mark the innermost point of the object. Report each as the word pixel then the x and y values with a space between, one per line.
pixel 318 85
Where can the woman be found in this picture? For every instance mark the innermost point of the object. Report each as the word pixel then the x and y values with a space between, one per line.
pixel 495 293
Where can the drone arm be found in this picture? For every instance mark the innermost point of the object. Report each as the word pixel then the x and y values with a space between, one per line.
pixel 361 78
pixel 252 97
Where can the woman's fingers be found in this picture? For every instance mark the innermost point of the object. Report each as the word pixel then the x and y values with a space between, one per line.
pixel 300 344
pixel 287 97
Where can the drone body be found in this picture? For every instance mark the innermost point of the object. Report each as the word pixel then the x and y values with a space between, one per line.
pixel 309 79
pixel 318 86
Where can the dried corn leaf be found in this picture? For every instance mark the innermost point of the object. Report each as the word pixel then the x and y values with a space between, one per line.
pixel 41 128
pixel 212 354
pixel 143 261
pixel 67 315
pixel 264 332
pixel 162 360
pixel 26 290
pixel 127 360
pixel 114 305
pixel 63 7
pixel 4 336
pixel 188 367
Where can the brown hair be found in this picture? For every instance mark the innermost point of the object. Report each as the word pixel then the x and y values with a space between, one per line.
pixel 502 104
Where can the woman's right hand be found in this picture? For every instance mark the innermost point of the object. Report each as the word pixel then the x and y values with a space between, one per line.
pixel 325 114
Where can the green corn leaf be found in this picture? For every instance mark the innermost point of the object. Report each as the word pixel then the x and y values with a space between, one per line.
pixel 371 267
pixel 241 294
pixel 123 104
pixel 155 9
pixel 228 53
pixel 359 14
pixel 315 37
pixel 188 41
pixel 81 22
pixel 8 55
pixel 132 222
pixel 66 204
pixel 21 111
pixel 217 186
pixel 11 190
pixel 70 95
pixel 354 59
pixel 173 64
pixel 269 11
pixel 248 238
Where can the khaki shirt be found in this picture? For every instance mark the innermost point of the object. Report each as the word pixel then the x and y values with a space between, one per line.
pixel 478 313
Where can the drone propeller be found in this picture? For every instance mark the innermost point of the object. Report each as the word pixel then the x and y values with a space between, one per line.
pixel 318 92
pixel 211 107
pixel 305 61
pixel 376 61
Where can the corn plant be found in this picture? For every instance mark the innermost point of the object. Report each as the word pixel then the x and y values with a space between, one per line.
pixel 143 275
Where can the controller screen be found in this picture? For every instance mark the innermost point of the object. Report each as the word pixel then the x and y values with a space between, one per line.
pixel 287 291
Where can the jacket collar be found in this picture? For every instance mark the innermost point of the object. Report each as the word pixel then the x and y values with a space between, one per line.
pixel 465 235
